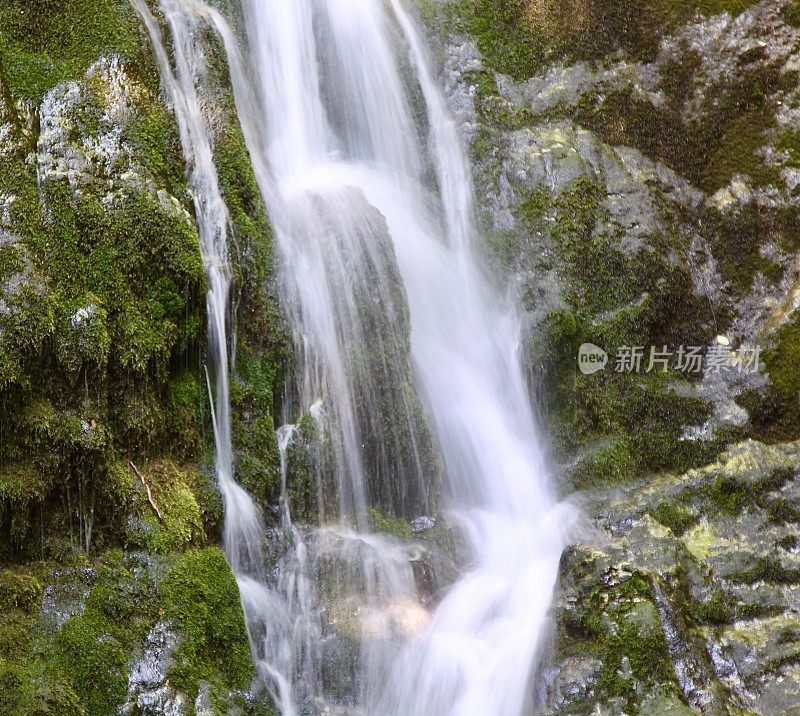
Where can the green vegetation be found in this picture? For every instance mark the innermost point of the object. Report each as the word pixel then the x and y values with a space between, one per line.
pixel 20 591
pixel 768 569
pixel 631 421
pixel 636 652
pixel 101 352
pixel 738 152
pixel 44 42
pixel 118 300
pixel 673 514
pixel 263 344
pixel 81 669
pixel 783 360
pixel 394 526
pixel 91 650
pixel 716 611
pixel 306 458
pixel 518 37
pixel 179 521
pixel 505 36
pixel 201 597
pixel 775 412
pixel 615 619
pixel 102 377
pixel 791 13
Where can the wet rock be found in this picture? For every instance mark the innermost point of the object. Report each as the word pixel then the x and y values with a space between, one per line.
pixel 692 559
pixel 422 524
pixel 572 684
pixel 149 692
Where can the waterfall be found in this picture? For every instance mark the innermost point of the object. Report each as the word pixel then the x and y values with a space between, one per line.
pixel 406 348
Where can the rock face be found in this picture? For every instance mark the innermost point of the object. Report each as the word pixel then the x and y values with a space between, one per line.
pixel 635 172
pixel 112 600
pixel 685 592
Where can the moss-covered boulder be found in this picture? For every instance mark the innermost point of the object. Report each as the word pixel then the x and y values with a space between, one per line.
pixel 684 595
pixel 112 599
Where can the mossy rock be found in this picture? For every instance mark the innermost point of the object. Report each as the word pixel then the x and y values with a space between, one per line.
pixel 19 590
pixel 201 598
pixel 390 525
pixel 43 42
pixel 96 660
pixel 521 37
pixel 172 513
pixel 27 690
pixel 676 516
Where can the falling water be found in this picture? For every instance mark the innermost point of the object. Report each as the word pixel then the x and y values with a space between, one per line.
pixel 404 344
pixel 244 531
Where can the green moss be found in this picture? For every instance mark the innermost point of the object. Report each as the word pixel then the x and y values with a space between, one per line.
pixel 82 336
pixel 305 457
pixel 537 205
pixel 19 590
pixel 28 684
pixel 674 515
pixel 119 301
pixel 43 42
pixel 729 494
pixel 91 653
pixel 388 524
pixel 520 37
pixel 16 634
pixel 493 108
pixel 511 43
pixel 734 495
pixel 616 299
pixel 767 569
pixel 637 637
pixel 774 416
pixel 188 421
pixel 716 611
pixel 21 483
pixel 610 463
pixel 782 511
pixel 180 524
pixel 82 668
pixel 28 690
pixel 738 152
pixel 201 597
pixel 685 9
pixel 602 277
pixel 789 142
pixel 257 458
pixel 613 617
pixel 482 145
pixel 651 414
pixel 263 345
pixel 639 640
pixel 92 649
pixel 262 335
pixel 791 13
pixel 735 120
pixel 782 361
pixel 153 135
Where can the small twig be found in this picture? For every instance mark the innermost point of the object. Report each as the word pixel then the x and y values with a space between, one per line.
pixel 147 488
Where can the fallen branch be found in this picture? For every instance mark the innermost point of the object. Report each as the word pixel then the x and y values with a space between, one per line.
pixel 147 489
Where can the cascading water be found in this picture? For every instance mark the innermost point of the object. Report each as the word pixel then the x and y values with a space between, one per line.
pixel 373 219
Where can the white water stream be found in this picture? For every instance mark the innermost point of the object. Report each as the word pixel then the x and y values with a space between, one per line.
pixel 367 185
